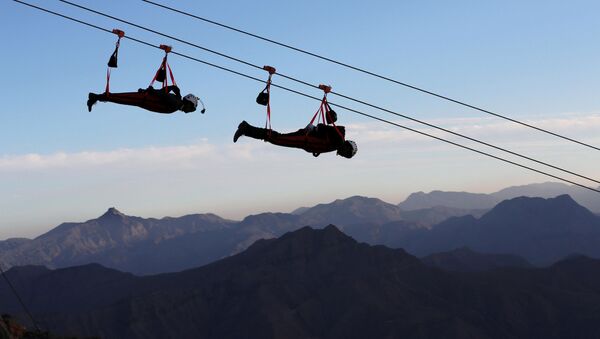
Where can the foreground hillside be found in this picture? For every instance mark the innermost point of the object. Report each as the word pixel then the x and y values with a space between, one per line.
pixel 316 284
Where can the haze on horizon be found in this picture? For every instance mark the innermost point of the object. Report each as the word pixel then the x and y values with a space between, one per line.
pixel 532 61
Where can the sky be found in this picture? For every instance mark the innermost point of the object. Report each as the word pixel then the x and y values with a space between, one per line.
pixel 535 61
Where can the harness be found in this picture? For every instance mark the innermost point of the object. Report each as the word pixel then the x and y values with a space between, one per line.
pixel 325 113
pixel 161 73
pixel 113 60
pixel 264 97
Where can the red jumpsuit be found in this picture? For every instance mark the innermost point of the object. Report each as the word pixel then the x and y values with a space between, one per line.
pixel 320 139
pixel 155 100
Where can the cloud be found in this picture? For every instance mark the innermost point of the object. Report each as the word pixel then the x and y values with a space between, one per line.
pixel 484 128
pixel 372 137
pixel 182 156
pixel 139 156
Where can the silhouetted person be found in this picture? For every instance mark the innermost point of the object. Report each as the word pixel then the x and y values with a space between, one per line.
pixel 155 100
pixel 314 139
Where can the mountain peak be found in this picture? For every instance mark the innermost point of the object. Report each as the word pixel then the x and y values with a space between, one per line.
pixel 113 211
pixel 562 207
pixel 112 214
pixel 304 241
pixel 353 210
pixel 462 200
pixel 330 234
pixel 561 202
pixel 566 199
pixel 332 231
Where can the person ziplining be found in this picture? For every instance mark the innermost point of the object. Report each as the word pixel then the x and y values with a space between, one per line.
pixel 325 137
pixel 243 129
pixel 166 100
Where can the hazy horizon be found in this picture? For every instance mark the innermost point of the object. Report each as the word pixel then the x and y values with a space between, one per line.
pixel 45 225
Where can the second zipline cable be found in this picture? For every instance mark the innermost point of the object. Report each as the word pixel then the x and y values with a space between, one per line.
pixel 332 92
pixel 373 74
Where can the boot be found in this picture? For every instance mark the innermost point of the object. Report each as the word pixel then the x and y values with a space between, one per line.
pixel 92 98
pixel 243 126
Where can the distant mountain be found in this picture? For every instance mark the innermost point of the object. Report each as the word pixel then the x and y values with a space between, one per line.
pixel 149 246
pixel 367 212
pixel 479 201
pixel 460 200
pixel 466 260
pixel 12 243
pixel 353 210
pixel 315 284
pixel 431 216
pixel 540 230
pixel 124 242
pixel 540 190
pixel 300 210
pixel 582 196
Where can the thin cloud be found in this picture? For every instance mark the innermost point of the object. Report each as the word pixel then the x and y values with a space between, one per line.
pixel 485 128
pixel 182 156
pixel 143 156
pixel 371 136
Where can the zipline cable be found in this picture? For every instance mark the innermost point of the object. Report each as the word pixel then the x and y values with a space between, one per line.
pixel 373 74
pixel 332 92
pixel 319 99
pixel 14 291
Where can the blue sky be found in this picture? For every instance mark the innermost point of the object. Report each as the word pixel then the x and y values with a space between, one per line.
pixel 532 60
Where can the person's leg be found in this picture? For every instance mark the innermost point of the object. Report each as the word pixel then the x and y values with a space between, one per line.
pixel 308 143
pixel 132 99
pixel 248 130
pixel 152 101
pixel 129 98
pixel 298 139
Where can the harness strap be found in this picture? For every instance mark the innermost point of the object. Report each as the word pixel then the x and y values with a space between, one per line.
pixel 171 75
pixel 161 67
pixel 164 66
pixel 268 90
pixel 107 89
pixel 115 54
pixel 319 112
pixel 337 130
pixel 271 71
pixel 323 112
pixel 328 114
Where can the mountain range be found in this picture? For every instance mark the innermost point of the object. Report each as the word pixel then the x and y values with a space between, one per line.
pixel 541 231
pixel 466 200
pixel 314 284
pixel 148 246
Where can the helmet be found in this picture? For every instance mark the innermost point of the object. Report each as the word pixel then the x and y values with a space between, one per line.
pixel 348 149
pixel 191 98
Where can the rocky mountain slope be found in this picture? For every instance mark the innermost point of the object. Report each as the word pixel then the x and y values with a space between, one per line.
pixel 466 260
pixel 148 246
pixel 316 284
pixel 540 230
pixel 470 201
